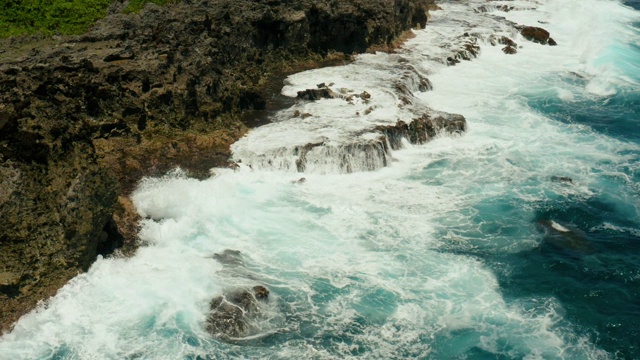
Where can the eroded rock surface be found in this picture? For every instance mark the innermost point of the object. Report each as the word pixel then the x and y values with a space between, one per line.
pixel 83 118
pixel 537 35
pixel 423 129
pixel 231 314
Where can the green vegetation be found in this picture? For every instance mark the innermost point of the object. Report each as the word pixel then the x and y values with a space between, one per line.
pixel 21 17
pixel 136 5
pixel 50 17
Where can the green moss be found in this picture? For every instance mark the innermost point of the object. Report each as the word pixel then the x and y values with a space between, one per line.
pixel 49 17
pixel 137 5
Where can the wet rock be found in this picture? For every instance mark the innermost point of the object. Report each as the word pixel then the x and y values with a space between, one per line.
pixel 425 85
pixel 299 181
pixel 316 94
pixel 230 314
pixel 562 179
pixel 484 8
pixel 83 118
pixel 233 166
pixel 509 50
pixel 537 35
pixel 423 129
pixel 301 152
pixel 229 257
pixel 503 40
pixel 566 238
pixel 469 50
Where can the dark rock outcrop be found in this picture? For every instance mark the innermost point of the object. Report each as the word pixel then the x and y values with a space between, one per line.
pixel 83 118
pixel 570 240
pixel 509 50
pixel 423 129
pixel 230 314
pixel 316 94
pixel 537 35
pixel 469 50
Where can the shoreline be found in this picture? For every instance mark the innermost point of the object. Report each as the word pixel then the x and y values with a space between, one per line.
pixel 84 118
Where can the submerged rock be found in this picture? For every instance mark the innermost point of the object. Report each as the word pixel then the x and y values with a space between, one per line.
pixel 563 179
pixel 230 314
pixel 229 257
pixel 572 241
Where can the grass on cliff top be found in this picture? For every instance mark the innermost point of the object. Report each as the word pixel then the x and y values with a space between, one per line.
pixel 137 5
pixel 51 17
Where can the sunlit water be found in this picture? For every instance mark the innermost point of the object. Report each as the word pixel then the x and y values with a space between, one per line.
pixel 461 248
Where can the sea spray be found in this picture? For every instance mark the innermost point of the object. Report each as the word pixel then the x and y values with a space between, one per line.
pixel 442 252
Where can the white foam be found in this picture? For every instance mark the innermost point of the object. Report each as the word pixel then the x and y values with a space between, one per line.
pixel 559 227
pixel 357 264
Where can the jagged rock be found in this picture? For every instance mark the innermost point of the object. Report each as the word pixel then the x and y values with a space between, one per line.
pixel 316 94
pixel 494 40
pixel 509 50
pixel 230 313
pixel 425 85
pixel 9 284
pixel 83 118
pixel 537 35
pixel 423 129
pixel 470 50
pixel 484 8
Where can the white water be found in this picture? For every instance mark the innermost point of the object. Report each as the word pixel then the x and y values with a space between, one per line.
pixel 357 264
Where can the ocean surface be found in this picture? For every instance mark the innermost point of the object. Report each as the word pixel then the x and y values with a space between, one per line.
pixel 472 246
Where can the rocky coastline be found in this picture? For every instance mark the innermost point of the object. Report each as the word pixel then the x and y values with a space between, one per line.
pixel 83 118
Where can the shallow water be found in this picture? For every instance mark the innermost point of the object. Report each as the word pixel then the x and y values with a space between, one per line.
pixel 463 248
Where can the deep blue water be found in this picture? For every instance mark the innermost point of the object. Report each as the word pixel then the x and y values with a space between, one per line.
pixel 594 270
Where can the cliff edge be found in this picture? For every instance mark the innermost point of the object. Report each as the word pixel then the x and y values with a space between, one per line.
pixel 83 118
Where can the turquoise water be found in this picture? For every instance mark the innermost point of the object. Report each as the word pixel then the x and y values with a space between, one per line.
pixel 467 247
pixel 599 286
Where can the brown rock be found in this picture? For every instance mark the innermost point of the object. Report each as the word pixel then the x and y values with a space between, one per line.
pixel 231 313
pixel 509 50
pixel 423 129
pixel 83 118
pixel 317 94
pixel 537 35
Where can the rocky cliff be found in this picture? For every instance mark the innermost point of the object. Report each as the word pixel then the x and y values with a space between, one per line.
pixel 83 118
